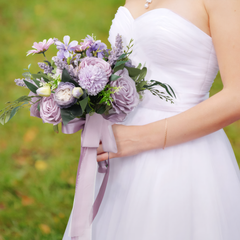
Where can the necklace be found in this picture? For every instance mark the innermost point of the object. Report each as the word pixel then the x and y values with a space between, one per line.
pixel 147 3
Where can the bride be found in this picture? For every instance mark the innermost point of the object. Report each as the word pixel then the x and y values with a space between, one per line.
pixel 175 176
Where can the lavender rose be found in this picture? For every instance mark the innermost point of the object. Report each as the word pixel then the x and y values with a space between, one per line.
pixel 63 95
pixel 88 61
pixel 49 111
pixel 34 105
pixel 92 78
pixel 127 98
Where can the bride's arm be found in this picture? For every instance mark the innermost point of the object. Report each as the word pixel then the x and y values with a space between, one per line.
pixel 212 114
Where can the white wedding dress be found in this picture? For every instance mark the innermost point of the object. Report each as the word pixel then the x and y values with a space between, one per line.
pixel 186 192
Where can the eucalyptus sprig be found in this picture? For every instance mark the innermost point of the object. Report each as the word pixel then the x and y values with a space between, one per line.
pixel 12 108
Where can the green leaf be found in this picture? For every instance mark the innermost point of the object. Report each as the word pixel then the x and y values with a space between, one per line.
pixel 40 75
pixel 88 109
pixel 133 71
pixel 55 128
pixel 120 67
pixel 141 86
pixel 69 114
pixel 27 75
pixel 75 111
pixel 38 107
pixel 67 78
pixel 172 91
pixel 24 99
pixel 120 63
pixel 30 86
pixel 142 74
pixel 13 112
pixel 37 82
pixel 101 110
pixel 49 64
pixel 165 86
pixel 66 116
pixel 7 116
pixel 114 77
pixel 2 118
pixel 29 66
pixel 122 56
pixel 83 104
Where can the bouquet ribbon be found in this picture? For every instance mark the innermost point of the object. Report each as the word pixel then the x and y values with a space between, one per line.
pixel 95 129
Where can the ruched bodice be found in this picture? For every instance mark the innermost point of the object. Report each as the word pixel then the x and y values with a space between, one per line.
pixel 174 50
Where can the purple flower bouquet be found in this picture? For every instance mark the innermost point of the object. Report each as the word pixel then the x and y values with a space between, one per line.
pixel 85 86
pixel 83 79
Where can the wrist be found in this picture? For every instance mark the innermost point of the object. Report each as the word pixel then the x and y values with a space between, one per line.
pixel 154 135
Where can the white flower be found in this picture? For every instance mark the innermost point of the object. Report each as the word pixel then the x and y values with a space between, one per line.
pixel 63 95
pixel 77 92
pixel 44 91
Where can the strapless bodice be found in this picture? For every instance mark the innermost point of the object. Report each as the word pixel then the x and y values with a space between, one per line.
pixel 175 52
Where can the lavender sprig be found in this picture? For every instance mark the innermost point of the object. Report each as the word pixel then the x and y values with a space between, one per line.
pixel 19 82
pixel 117 51
pixel 47 69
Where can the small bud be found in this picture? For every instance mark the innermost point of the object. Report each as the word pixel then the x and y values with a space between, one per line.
pixel 77 92
pixel 44 91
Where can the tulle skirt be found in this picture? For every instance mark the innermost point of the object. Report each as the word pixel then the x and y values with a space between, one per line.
pixel 186 192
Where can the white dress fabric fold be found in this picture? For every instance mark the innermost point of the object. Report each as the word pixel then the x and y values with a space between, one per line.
pixel 186 192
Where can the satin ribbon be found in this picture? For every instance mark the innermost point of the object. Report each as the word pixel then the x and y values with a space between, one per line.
pixel 95 129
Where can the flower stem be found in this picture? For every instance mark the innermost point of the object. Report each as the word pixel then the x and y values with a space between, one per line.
pixel 44 55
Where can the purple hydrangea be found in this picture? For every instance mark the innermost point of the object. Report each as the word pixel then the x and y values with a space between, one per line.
pixel 92 78
pixel 63 95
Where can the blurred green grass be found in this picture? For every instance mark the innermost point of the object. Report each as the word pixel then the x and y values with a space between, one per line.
pixel 37 166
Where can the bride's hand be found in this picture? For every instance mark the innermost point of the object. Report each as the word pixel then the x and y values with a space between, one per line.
pixel 130 140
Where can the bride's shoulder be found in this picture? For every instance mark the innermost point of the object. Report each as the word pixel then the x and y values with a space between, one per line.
pixel 222 6
pixel 224 21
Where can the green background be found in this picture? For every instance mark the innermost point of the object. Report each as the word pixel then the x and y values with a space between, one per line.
pixel 38 166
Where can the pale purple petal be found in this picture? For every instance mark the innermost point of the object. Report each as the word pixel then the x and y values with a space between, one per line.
pixel 58 43
pixel 60 54
pixel 66 54
pixel 49 42
pixel 66 40
pixel 73 44
pixel 32 51
pixel 35 45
